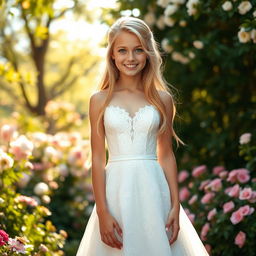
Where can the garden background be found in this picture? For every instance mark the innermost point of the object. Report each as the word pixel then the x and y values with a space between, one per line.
pixel 51 60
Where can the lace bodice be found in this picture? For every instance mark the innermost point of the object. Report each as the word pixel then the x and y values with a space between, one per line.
pixel 131 135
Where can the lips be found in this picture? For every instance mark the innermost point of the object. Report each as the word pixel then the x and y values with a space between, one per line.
pixel 131 66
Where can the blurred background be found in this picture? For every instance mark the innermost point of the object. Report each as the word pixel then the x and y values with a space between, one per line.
pixel 51 61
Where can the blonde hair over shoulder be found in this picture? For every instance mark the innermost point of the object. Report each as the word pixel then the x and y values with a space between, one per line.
pixel 152 78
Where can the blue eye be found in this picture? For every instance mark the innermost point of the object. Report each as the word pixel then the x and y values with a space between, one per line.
pixel 121 50
pixel 139 50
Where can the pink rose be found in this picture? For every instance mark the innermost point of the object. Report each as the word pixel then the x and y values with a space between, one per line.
pixel 234 192
pixel 239 175
pixel 203 184
pixel 207 197
pixel 236 217
pixel 253 197
pixel 21 148
pixel 223 175
pixel 192 199
pixel 211 213
pixel 232 176
pixel 243 175
pixel 227 190
pixel 215 184
pixel 191 184
pixel 183 175
pixel 245 194
pixel 3 237
pixel 217 169
pixel 246 210
pixel 199 170
pixel 7 132
pixel 204 231
pixel 184 194
pixel 240 239
pixel 27 200
pixel 227 207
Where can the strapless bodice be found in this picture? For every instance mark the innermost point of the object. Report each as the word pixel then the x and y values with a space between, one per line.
pixel 130 137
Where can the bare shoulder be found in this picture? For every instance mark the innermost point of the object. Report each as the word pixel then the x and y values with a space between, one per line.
pixel 96 102
pixel 166 97
pixel 98 98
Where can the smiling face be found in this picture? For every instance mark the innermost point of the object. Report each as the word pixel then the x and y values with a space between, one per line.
pixel 128 54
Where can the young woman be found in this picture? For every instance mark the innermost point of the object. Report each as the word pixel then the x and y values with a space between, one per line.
pixel 137 210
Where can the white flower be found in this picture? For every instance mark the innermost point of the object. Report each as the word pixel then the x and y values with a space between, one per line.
pixel 245 138
pixel 46 199
pixel 170 9
pixel 1 200
pixel 21 147
pixel 17 246
pixel 198 44
pixel 150 18
pixel 177 1
pixel 166 46
pixel 176 56
pixel 50 153
pixel 39 138
pixel 41 188
pixel 43 248
pixel 191 7
pixel 63 169
pixel 254 14
pixel 6 162
pixel 160 22
pixel 169 21
pixel 191 55
pixel 182 23
pixel 243 36
pixel 244 7
pixel 8 132
pixel 24 180
pixel 253 35
pixel 163 3
pixel 227 6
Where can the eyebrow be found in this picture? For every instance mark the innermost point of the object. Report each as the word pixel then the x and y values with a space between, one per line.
pixel 126 47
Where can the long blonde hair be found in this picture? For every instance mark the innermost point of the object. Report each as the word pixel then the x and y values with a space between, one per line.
pixel 152 78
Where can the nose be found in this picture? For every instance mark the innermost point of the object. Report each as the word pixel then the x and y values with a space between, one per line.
pixel 130 55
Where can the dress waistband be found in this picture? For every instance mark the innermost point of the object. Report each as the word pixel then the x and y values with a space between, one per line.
pixel 132 157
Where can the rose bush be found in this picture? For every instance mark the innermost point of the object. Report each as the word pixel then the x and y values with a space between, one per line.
pixel 24 228
pixel 56 177
pixel 221 203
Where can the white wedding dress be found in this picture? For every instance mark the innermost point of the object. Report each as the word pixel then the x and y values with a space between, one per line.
pixel 137 192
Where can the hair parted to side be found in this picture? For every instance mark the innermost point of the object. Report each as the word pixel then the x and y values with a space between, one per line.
pixel 152 78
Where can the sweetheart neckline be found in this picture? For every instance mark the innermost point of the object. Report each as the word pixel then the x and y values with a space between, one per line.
pixel 136 112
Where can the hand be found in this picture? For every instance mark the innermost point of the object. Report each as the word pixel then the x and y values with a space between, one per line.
pixel 108 224
pixel 173 222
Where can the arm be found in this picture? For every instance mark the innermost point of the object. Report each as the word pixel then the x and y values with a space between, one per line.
pixel 166 156
pixel 107 222
pixel 167 161
pixel 98 154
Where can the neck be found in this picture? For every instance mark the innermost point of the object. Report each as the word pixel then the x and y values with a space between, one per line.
pixel 131 83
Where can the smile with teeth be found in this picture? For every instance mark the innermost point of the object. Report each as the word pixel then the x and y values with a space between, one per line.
pixel 130 65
